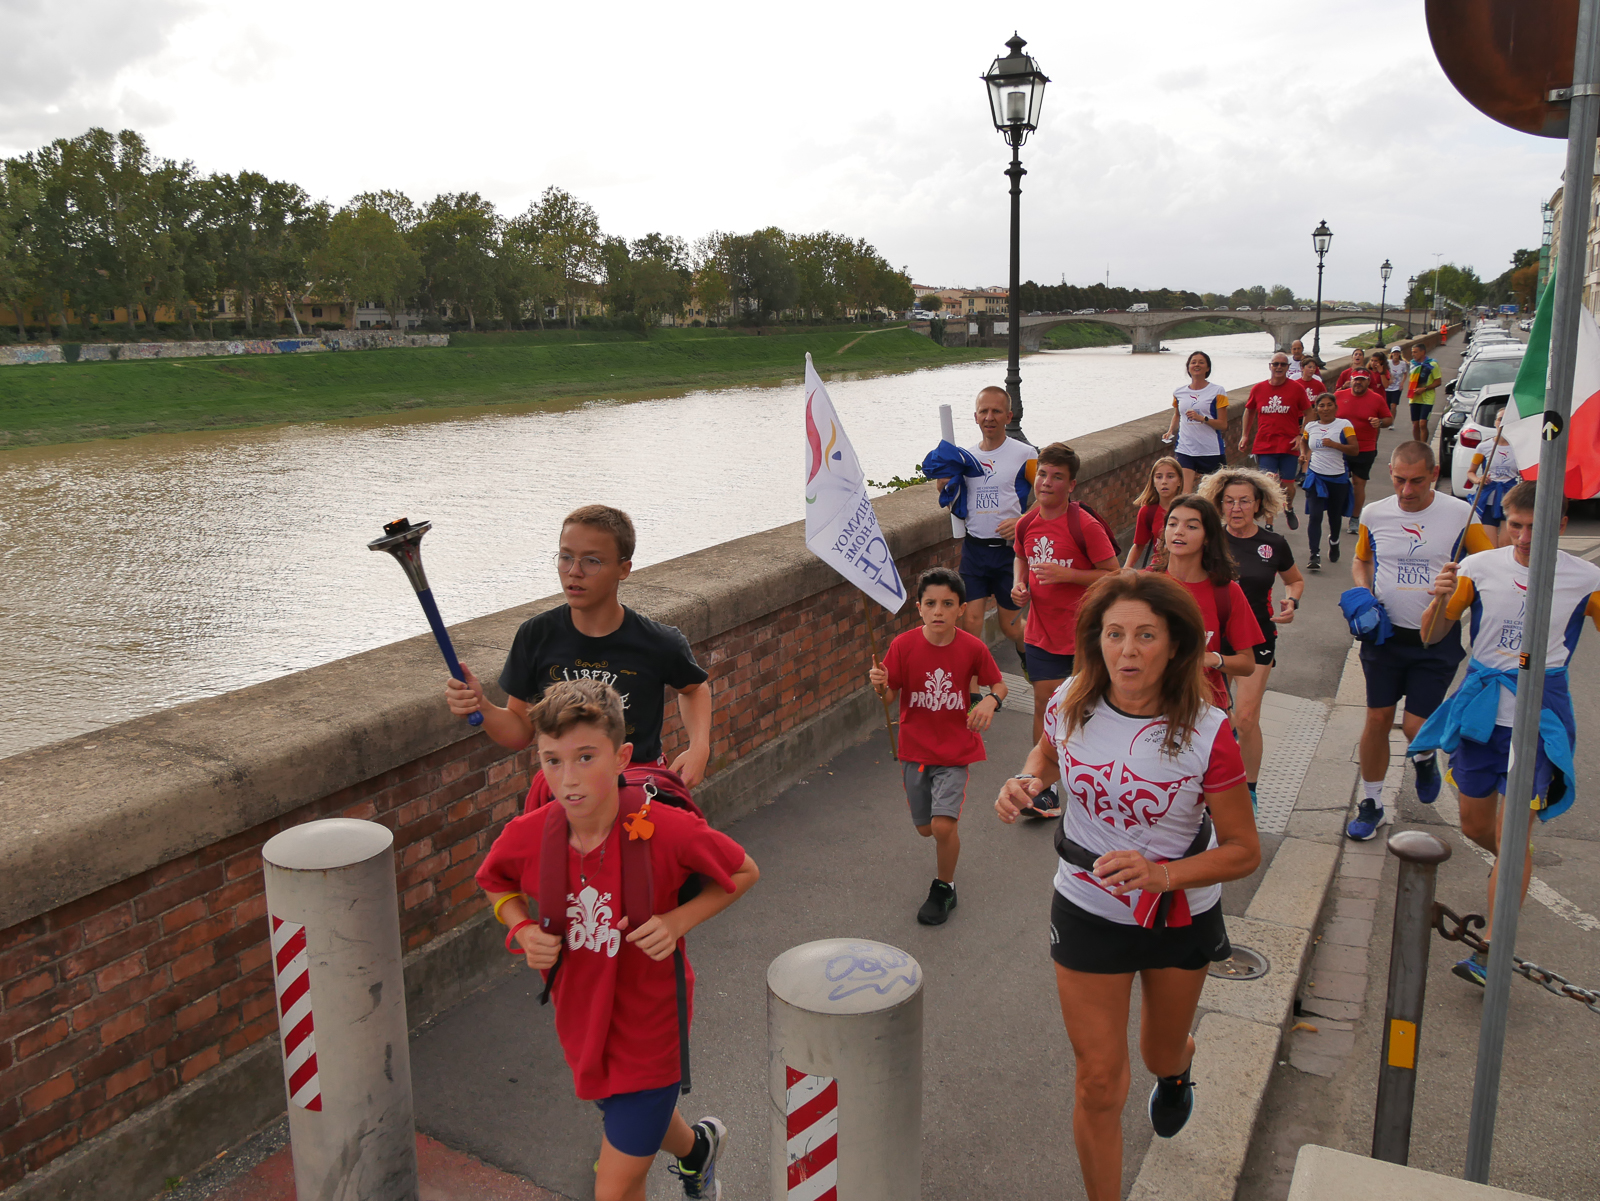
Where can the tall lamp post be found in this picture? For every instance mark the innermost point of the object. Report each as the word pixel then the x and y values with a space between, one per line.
pixel 1016 94
pixel 1411 286
pixel 1386 271
pixel 1320 237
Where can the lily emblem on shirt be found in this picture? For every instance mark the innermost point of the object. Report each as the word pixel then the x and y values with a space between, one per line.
pixel 589 923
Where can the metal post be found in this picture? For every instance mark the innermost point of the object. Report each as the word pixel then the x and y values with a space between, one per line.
pixel 1316 338
pixel 1014 353
pixel 335 926
pixel 947 431
pixel 844 1064
pixel 1420 855
pixel 1383 300
pixel 1583 118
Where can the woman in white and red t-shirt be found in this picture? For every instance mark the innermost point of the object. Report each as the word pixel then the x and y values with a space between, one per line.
pixel 1143 758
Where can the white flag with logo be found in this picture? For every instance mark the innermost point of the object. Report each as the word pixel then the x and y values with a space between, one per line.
pixel 841 528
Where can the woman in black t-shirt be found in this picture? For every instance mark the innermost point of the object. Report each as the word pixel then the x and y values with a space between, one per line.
pixel 1246 499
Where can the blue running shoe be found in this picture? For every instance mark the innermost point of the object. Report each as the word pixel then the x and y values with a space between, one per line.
pixel 1171 1103
pixel 1427 779
pixel 1369 817
pixel 1473 969
pixel 703 1185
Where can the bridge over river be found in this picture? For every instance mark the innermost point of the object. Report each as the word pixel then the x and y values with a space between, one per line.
pixel 1145 329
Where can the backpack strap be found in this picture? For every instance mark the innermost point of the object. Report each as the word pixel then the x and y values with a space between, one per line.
pixel 1224 598
pixel 553 889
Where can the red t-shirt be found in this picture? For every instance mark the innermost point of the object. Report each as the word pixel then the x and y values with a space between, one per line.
pixel 1279 409
pixel 1149 525
pixel 1313 384
pixel 1243 630
pixel 932 682
pixel 616 1008
pixel 1053 608
pixel 1356 410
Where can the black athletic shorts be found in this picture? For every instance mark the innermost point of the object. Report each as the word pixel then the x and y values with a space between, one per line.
pixel 1081 941
pixel 1361 464
pixel 1266 651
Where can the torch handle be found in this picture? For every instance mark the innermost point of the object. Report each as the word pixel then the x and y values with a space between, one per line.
pixel 442 637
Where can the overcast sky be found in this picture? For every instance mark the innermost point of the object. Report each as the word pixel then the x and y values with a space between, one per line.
pixel 1182 144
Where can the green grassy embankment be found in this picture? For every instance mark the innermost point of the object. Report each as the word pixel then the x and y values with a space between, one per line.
pixel 68 403
pixel 1077 334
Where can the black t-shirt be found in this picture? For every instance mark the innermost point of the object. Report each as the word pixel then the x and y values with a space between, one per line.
pixel 639 658
pixel 1260 559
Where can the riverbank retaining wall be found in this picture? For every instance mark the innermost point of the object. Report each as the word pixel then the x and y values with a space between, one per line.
pixel 107 352
pixel 138 1033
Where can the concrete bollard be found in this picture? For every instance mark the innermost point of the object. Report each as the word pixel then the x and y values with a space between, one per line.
pixel 1420 855
pixel 335 925
pixel 844 1048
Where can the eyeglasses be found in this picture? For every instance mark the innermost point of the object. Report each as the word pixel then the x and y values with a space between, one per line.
pixel 1278 363
pixel 566 563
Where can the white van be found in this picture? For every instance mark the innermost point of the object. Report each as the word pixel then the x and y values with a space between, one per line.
pixel 1138 308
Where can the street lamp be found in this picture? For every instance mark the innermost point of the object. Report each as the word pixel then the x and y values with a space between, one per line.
pixel 1016 94
pixel 1320 237
pixel 1411 286
pixel 1386 271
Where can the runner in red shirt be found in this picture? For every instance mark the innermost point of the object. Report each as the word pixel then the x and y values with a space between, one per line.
pixel 1366 408
pixel 616 990
pixel 1053 569
pixel 1358 366
pixel 1198 558
pixel 1273 417
pixel 941 726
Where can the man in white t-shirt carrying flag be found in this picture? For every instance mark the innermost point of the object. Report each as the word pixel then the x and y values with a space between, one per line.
pixel 1474 726
pixel 1403 542
pixel 841 526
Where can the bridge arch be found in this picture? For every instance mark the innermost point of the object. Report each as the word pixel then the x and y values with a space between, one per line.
pixel 1145 330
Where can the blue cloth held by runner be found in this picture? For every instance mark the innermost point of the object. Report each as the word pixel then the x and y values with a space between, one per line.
pixel 953 465
pixel 1365 615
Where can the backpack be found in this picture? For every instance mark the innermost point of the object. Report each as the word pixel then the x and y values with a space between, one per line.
pixel 640 786
pixel 1223 595
pixel 1075 511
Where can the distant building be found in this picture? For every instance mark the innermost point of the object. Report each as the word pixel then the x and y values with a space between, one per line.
pixel 971 302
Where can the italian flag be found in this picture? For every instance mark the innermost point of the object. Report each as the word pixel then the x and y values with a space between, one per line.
pixel 1523 426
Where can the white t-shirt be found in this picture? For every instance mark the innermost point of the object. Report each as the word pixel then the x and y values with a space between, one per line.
pixel 1409 548
pixel 1122 792
pixel 1195 437
pixel 1502 462
pixel 1324 459
pixel 1294 367
pixel 1398 370
pixel 1007 471
pixel 1494 586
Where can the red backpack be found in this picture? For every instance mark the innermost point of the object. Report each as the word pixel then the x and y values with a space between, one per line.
pixel 1075 511
pixel 640 786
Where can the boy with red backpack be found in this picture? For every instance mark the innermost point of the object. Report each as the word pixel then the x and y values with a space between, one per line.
pixel 1060 547
pixel 613 866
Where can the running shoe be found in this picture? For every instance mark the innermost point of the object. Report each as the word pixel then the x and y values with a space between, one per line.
pixel 1022 657
pixel 941 900
pixel 1314 563
pixel 1355 525
pixel 1047 804
pixel 1474 969
pixel 1294 521
pixel 1333 550
pixel 1369 817
pixel 703 1185
pixel 1427 779
pixel 1171 1103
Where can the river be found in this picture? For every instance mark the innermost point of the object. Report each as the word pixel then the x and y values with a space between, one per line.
pixel 140 573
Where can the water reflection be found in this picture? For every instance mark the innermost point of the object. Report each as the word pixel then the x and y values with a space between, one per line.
pixel 140 573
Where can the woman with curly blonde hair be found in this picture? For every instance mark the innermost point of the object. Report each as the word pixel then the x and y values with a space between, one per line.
pixel 1248 500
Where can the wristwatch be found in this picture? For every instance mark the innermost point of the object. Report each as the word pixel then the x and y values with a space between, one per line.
pixel 1295 601
pixel 998 703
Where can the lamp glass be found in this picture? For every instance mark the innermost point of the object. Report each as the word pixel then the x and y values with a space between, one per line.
pixel 1016 91
pixel 1321 237
pixel 1386 270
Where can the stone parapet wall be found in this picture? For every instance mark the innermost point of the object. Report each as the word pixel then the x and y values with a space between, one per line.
pixel 104 352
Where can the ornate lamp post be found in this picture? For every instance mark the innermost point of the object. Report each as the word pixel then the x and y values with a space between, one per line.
pixel 1386 271
pixel 1016 94
pixel 1411 286
pixel 1320 237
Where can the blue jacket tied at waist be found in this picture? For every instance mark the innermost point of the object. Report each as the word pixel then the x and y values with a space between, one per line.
pixel 1317 485
pixel 1471 713
pixel 953 465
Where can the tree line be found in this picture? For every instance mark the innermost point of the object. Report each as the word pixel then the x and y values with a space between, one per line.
pixel 1066 298
pixel 97 223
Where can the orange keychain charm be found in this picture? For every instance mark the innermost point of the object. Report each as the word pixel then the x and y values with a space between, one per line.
pixel 638 825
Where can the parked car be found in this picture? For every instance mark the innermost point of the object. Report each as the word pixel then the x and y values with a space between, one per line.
pixel 1489 368
pixel 1222 308
pixel 1286 308
pixel 1243 308
pixel 1477 435
pixel 1305 308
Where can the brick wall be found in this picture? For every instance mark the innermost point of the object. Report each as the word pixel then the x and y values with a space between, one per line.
pixel 113 1001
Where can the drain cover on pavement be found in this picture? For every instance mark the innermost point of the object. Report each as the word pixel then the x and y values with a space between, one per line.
pixel 1243 964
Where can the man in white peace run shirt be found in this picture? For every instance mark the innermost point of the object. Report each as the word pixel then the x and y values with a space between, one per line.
pixel 1474 726
pixel 994 502
pixel 1403 542
pixel 1297 351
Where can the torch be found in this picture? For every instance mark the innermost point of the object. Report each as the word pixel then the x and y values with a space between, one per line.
pixel 404 541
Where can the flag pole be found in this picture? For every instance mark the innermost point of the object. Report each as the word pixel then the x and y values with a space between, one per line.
pixel 1583 118
pixel 872 639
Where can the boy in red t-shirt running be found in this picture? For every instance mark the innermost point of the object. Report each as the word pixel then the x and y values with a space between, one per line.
pixel 940 734
pixel 616 991
pixel 1053 570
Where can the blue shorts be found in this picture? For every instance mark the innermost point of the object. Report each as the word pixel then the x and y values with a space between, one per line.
pixel 987 571
pixel 1420 674
pixel 1421 412
pixel 637 1122
pixel 1284 466
pixel 1200 464
pixel 1045 665
pixel 1478 769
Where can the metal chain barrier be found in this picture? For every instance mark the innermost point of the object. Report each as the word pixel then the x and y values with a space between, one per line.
pixel 1464 930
